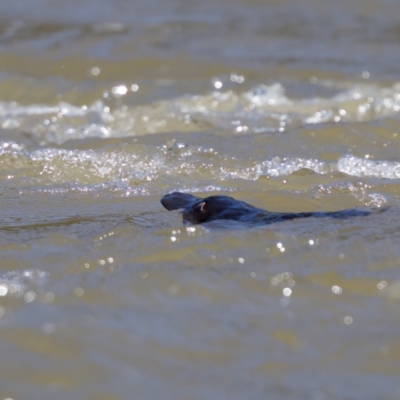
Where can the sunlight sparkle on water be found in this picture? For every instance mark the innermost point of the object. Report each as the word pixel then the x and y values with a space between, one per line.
pixel 337 289
pixel 280 247
pixel 381 285
pixel 365 74
pixel 29 296
pixel 236 78
pixel 285 276
pixel 119 91
pixel 95 71
pixel 3 290
pixel 287 291
pixel 348 320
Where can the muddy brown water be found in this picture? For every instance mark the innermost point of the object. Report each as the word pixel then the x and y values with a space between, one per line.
pixel 288 105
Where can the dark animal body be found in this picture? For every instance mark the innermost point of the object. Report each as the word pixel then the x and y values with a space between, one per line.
pixel 197 210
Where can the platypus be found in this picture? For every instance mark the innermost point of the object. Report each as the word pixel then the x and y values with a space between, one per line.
pixel 197 210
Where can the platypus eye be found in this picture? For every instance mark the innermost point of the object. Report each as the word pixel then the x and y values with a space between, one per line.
pixel 202 206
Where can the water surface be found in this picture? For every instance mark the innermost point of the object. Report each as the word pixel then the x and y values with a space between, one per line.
pixel 288 105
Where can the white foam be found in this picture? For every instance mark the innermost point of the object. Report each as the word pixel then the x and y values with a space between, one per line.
pixel 261 109
pixel 355 166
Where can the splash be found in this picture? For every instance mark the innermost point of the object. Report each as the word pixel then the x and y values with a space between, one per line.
pixel 356 166
pixel 143 169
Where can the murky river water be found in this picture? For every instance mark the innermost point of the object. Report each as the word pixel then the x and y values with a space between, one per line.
pixel 288 105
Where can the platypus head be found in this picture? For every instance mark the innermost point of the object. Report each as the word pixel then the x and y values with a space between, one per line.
pixel 197 210
pixel 208 209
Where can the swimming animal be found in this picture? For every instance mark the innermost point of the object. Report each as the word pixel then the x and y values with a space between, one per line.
pixel 197 210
